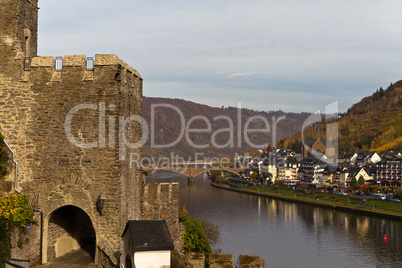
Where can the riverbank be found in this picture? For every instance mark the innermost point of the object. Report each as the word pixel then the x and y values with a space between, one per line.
pixel 331 204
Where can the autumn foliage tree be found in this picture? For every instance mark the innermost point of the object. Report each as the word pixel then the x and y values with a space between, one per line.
pixel 216 175
pixel 374 123
pixel 353 182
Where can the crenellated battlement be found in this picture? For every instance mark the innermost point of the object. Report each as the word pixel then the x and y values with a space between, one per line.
pixel 79 67
pixel 81 61
pixel 161 202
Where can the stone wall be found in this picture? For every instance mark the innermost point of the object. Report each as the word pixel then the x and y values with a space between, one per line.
pixel 247 261
pixel 161 202
pixel 220 260
pixel 30 239
pixel 196 260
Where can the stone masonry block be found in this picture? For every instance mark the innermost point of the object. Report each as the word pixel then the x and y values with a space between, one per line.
pixel 106 59
pixel 46 61
pixel 220 260
pixel 197 260
pixel 74 60
pixel 247 261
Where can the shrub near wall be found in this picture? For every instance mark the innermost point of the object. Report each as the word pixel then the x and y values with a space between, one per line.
pixel 15 212
pixel 194 238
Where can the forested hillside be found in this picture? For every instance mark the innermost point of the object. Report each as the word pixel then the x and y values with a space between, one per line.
pixel 374 123
pixel 167 127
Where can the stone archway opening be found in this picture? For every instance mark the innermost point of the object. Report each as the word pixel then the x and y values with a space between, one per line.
pixel 70 228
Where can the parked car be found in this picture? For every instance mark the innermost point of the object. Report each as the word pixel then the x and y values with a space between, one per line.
pixel 395 200
pixel 359 192
pixel 379 196
pixel 342 193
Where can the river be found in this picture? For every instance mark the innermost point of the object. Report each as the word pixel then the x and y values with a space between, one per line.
pixel 287 234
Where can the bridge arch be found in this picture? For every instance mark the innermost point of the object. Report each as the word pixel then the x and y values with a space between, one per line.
pixel 206 170
pixel 192 172
pixel 169 170
pixel 200 172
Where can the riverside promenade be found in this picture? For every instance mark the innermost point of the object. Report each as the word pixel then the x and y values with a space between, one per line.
pixel 331 204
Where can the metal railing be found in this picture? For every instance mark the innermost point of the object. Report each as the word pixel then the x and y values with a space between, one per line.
pixel 90 63
pixel 58 62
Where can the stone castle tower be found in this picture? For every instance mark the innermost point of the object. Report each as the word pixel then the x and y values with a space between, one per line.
pixel 71 124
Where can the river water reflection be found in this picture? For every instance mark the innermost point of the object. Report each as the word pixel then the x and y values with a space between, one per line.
pixel 287 234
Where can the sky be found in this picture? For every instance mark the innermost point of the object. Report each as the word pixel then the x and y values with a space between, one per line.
pixel 289 55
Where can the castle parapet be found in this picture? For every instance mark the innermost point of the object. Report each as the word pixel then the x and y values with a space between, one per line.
pixel 161 202
pixel 46 69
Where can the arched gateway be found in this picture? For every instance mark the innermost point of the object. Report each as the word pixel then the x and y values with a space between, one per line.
pixel 69 228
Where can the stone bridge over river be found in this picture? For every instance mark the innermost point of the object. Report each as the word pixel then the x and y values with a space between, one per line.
pixel 192 169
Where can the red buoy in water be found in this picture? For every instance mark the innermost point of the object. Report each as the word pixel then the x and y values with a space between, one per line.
pixel 385 238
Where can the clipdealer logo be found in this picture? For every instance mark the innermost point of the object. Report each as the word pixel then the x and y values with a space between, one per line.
pixel 109 122
pixel 236 135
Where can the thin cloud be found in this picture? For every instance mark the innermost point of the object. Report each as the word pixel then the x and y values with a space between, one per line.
pixel 225 72
pixel 234 73
pixel 243 74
